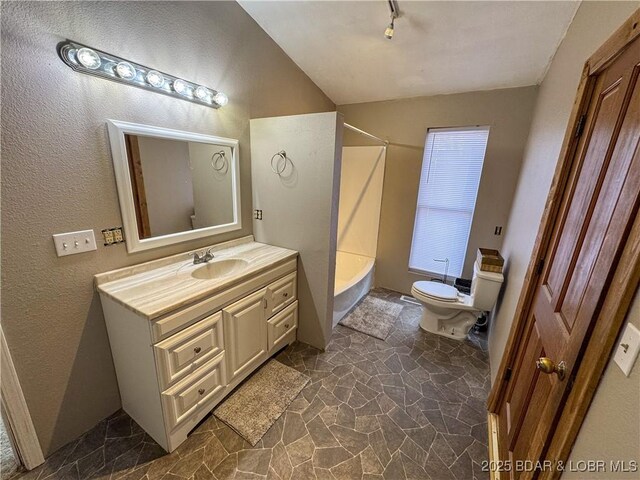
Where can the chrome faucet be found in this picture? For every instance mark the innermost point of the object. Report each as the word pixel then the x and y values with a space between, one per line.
pixel 202 258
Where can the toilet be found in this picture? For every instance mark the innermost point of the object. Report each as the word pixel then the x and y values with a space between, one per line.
pixel 449 313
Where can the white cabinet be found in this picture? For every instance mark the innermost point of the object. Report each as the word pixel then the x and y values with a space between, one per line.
pixel 174 369
pixel 245 323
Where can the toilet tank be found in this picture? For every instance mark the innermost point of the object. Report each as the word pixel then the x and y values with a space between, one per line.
pixel 485 287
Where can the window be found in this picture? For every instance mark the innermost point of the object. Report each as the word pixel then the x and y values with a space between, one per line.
pixel 449 181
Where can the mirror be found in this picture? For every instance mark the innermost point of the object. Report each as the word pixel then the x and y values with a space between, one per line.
pixel 174 186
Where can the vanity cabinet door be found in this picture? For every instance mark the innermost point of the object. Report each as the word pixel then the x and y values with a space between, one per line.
pixel 245 327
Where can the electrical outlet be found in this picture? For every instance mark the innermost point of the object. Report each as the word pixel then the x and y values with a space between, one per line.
pixel 498 230
pixel 257 214
pixel 112 236
pixel 107 236
pixel 74 242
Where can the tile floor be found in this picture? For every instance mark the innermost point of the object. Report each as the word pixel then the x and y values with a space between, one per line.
pixel 9 467
pixel 410 407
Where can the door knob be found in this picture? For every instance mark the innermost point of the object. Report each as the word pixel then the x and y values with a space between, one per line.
pixel 548 366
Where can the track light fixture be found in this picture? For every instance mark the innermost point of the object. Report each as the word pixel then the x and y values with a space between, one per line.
pixel 395 13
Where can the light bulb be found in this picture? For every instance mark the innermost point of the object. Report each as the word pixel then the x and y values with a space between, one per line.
pixel 125 70
pixel 202 92
pixel 221 99
pixel 181 87
pixel 389 31
pixel 155 78
pixel 88 58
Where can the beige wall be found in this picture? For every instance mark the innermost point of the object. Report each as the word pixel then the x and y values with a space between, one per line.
pixel 167 184
pixel 405 123
pixel 299 207
pixel 611 429
pixel 57 174
pixel 592 25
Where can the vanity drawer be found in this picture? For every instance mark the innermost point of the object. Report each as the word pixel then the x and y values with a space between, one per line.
pixel 189 349
pixel 280 293
pixel 202 388
pixel 282 324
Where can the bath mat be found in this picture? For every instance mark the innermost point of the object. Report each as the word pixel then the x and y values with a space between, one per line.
pixel 373 316
pixel 258 403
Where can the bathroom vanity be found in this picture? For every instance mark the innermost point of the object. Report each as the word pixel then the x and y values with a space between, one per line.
pixel 183 335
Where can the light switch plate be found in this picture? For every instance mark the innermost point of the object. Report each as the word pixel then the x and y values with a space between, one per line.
pixel 74 242
pixel 628 349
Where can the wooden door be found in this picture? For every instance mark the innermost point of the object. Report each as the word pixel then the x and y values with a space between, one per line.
pixel 245 327
pixel 599 205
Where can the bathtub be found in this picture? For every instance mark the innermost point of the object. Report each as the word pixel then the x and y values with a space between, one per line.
pixel 354 279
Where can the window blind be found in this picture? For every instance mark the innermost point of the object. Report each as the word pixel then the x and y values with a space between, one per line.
pixel 451 169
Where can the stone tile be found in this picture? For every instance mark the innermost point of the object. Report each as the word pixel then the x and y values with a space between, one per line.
pixel 301 450
pixel 214 453
pixel 329 457
pixel 254 461
pixel 346 416
pixel 413 451
pixel 304 471
pixel 370 408
pixel 394 469
pixel 370 462
pixel 367 424
pixel 400 417
pixel 455 426
pixel 280 462
pixel 379 446
pixel 462 468
pixel 348 470
pixel 226 470
pixel 189 464
pixel 316 406
pixel 320 434
pixel 412 470
pixel 393 435
pixel 353 441
pixel 436 468
pixel 294 428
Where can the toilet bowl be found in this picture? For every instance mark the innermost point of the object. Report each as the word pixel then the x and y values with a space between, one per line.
pixel 447 312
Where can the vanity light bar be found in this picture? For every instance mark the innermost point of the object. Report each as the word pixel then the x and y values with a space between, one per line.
pixel 95 62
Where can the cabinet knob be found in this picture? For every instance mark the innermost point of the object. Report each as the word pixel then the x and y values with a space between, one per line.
pixel 197 349
pixel 286 325
pixel 201 391
pixel 285 294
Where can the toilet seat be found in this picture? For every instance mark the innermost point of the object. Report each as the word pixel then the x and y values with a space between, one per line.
pixel 437 291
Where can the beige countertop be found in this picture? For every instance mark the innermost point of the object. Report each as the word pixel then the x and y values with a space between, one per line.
pixel 155 288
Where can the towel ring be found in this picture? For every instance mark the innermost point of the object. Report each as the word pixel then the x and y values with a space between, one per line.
pixel 216 160
pixel 283 156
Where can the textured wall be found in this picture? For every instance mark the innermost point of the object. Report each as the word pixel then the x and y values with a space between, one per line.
pixel 57 174
pixel 405 123
pixel 592 25
pixel 300 207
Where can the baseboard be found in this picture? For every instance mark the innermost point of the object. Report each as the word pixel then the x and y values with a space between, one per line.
pixel 492 430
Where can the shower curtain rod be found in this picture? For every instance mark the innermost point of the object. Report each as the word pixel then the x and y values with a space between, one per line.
pixel 366 134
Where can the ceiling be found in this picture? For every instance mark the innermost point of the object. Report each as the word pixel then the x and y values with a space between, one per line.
pixel 438 47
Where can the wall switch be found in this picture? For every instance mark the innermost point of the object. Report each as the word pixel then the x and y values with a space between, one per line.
pixel 74 242
pixel 628 349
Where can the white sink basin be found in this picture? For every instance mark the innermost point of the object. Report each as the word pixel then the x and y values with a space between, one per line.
pixel 219 268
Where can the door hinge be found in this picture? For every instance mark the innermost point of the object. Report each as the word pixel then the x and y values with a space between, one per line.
pixel 580 126
pixel 540 266
pixel 507 374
